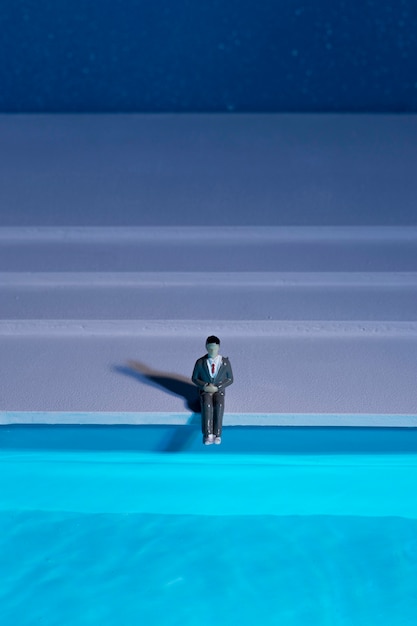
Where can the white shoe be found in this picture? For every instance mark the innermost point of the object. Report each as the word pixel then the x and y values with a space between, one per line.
pixel 217 440
pixel 208 440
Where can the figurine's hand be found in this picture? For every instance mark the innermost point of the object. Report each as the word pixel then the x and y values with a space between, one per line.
pixel 210 388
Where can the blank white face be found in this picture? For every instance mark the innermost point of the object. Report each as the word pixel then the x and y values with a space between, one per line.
pixel 212 349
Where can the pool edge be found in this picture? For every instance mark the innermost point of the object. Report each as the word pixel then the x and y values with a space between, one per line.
pixel 231 419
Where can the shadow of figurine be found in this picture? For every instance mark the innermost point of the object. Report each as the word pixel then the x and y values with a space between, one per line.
pixel 175 384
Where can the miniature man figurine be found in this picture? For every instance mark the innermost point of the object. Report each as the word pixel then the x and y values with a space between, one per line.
pixel 212 374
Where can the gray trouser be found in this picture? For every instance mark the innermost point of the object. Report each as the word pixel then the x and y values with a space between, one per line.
pixel 212 409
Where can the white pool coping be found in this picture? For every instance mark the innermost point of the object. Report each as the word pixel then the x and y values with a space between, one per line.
pixel 183 419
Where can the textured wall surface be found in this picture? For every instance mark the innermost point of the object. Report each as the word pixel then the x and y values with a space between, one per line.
pixel 210 55
pixel 214 170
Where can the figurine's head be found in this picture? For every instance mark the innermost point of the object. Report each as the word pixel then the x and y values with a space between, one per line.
pixel 212 346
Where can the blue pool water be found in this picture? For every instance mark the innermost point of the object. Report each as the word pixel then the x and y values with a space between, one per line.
pixel 96 528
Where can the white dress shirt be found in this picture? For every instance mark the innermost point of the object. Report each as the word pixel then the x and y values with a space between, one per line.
pixel 217 361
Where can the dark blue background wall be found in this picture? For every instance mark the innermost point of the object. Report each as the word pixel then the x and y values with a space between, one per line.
pixel 208 55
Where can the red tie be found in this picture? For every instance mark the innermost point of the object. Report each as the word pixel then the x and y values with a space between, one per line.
pixel 213 368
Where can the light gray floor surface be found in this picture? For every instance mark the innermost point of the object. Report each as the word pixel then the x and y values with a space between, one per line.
pixel 104 310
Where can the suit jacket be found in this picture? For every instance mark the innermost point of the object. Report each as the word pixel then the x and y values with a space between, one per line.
pixel 201 375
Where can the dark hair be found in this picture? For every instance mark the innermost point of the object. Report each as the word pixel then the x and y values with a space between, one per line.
pixel 212 339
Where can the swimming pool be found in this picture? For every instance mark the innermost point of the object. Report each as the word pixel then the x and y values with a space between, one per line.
pixel 100 525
